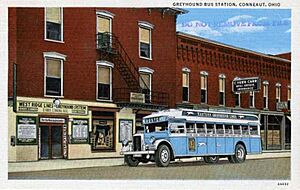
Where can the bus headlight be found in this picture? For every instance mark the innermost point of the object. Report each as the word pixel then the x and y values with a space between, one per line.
pixel 125 142
pixel 152 139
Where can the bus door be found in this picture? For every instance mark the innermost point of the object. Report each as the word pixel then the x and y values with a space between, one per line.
pixel 220 139
pixel 178 138
pixel 229 148
pixel 246 135
pixel 255 145
pixel 211 138
pixel 191 138
pixel 201 139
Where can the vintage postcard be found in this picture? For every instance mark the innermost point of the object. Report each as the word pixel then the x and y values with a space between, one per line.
pixel 160 95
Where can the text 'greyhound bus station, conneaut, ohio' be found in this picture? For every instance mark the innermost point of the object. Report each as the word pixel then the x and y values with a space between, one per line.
pixel 75 95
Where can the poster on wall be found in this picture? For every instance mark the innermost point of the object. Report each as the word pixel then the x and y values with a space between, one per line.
pixel 26 130
pixel 125 130
pixel 80 131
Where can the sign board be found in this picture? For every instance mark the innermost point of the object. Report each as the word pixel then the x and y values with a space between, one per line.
pixel 125 128
pixel 26 130
pixel 42 107
pixel 52 120
pixel 246 84
pixel 80 131
pixel 137 97
pixel 282 105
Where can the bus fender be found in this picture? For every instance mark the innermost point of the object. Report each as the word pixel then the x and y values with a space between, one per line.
pixel 158 142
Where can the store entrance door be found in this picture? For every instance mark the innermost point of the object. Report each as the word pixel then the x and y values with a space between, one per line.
pixel 51 142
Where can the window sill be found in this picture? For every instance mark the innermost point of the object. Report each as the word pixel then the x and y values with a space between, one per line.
pixel 103 100
pixel 56 41
pixel 146 58
pixel 51 96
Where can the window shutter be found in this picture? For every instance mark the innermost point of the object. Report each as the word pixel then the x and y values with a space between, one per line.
pixel 53 68
pixel 103 75
pixel 53 15
pixel 145 35
pixel 103 25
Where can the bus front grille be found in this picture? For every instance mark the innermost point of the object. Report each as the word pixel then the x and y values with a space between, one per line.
pixel 137 143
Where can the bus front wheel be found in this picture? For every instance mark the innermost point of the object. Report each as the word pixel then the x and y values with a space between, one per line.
pixel 163 156
pixel 211 159
pixel 240 154
pixel 131 161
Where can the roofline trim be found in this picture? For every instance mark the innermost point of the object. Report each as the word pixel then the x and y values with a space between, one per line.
pixel 232 47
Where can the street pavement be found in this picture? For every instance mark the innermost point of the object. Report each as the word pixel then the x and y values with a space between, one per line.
pixel 83 163
pixel 251 169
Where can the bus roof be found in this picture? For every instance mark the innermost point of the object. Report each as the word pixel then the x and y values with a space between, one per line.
pixel 206 116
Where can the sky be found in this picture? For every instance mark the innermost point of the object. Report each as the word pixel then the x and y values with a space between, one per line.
pixel 263 30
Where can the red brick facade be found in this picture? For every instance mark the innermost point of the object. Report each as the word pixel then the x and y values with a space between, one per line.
pixel 199 54
pixel 27 44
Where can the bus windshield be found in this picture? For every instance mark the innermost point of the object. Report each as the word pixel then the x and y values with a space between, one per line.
pixel 156 127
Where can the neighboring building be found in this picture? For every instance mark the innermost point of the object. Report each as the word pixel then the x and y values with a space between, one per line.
pixel 85 77
pixel 208 69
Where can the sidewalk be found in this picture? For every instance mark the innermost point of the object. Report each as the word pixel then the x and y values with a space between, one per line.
pixel 67 164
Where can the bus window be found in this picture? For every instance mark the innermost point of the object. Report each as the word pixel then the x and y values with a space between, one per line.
pixel 228 129
pixel 237 129
pixel 245 130
pixel 156 127
pixel 210 128
pixel 177 129
pixel 253 130
pixel 220 129
pixel 190 128
pixel 201 128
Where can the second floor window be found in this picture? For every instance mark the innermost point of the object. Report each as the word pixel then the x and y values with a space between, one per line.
pixel 252 99
pixel 103 31
pixel 185 86
pixel 278 92
pixel 266 94
pixel 104 82
pixel 54 23
pixel 53 77
pixel 145 83
pixel 289 97
pixel 222 90
pixel 203 87
pixel 237 99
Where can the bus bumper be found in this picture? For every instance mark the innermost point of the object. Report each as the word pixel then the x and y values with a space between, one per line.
pixel 138 153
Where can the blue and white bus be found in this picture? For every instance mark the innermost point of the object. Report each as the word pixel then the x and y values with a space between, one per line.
pixel 184 133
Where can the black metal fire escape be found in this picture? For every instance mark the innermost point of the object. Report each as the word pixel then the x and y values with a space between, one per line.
pixel 112 50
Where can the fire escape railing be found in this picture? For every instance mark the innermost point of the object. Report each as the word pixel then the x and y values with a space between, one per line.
pixel 113 51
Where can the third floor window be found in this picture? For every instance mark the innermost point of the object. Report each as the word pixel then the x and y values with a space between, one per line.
pixel 54 23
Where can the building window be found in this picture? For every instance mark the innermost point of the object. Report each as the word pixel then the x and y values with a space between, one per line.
pixel 203 87
pixel 289 97
pixel 185 84
pixel 222 89
pixel 146 82
pixel 53 74
pixel 266 94
pixel 252 99
pixel 104 80
pixel 237 99
pixel 145 40
pixel 104 28
pixel 54 23
pixel 278 92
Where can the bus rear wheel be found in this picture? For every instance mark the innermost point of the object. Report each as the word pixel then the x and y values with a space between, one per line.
pixel 163 156
pixel 211 159
pixel 240 154
pixel 131 161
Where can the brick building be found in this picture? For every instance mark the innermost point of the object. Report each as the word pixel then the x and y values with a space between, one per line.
pixel 208 69
pixel 81 79
pixel 85 77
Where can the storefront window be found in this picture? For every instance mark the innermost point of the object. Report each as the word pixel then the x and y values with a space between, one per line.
pixel 103 134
